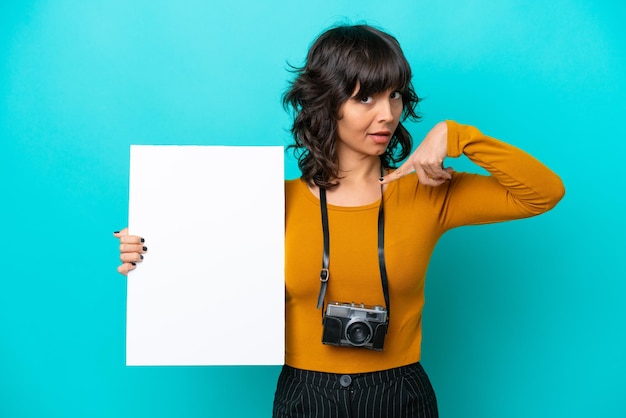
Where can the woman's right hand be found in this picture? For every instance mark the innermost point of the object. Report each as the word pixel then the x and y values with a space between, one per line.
pixel 132 248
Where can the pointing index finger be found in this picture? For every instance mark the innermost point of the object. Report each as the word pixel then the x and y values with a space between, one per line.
pixel 398 173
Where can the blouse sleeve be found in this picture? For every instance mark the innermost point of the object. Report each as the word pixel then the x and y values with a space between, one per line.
pixel 518 186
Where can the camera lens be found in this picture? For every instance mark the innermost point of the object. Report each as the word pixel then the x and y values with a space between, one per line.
pixel 358 333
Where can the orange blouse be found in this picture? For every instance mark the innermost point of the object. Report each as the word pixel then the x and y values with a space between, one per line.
pixel 415 218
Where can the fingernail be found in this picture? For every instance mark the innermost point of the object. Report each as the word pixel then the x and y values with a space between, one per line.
pixel 116 232
pixel 145 248
pixel 141 256
pixel 133 263
pixel 381 178
pixel 143 240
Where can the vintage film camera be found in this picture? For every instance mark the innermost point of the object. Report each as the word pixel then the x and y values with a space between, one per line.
pixel 355 325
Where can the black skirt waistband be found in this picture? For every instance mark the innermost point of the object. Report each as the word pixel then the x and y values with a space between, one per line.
pixel 356 381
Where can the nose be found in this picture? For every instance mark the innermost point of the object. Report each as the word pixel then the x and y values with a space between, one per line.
pixel 385 110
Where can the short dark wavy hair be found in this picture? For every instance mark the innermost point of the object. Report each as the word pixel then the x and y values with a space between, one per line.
pixel 339 59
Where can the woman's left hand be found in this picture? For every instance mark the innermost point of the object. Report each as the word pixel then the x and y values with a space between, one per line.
pixel 427 160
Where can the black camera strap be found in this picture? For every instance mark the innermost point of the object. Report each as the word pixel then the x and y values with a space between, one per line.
pixel 325 274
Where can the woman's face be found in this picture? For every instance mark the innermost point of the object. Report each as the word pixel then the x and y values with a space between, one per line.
pixel 365 126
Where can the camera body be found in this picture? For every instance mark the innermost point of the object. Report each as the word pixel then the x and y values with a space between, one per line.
pixel 355 325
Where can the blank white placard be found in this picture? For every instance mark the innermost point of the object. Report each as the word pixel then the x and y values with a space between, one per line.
pixel 210 290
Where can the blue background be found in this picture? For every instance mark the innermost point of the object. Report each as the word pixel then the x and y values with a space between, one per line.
pixel 523 319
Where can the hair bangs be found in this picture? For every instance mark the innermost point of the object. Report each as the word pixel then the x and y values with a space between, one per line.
pixel 381 71
pixel 377 63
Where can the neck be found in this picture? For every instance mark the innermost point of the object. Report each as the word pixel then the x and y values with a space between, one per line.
pixel 358 184
pixel 359 172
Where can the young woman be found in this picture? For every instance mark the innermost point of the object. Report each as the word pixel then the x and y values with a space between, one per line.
pixel 359 233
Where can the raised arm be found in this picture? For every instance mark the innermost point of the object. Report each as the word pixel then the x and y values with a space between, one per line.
pixel 518 186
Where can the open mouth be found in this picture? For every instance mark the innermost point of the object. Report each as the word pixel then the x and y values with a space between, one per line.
pixel 381 137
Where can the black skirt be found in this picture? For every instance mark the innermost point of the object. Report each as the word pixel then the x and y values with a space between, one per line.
pixel 402 392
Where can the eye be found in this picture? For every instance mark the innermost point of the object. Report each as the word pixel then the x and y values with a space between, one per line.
pixel 366 100
pixel 396 95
